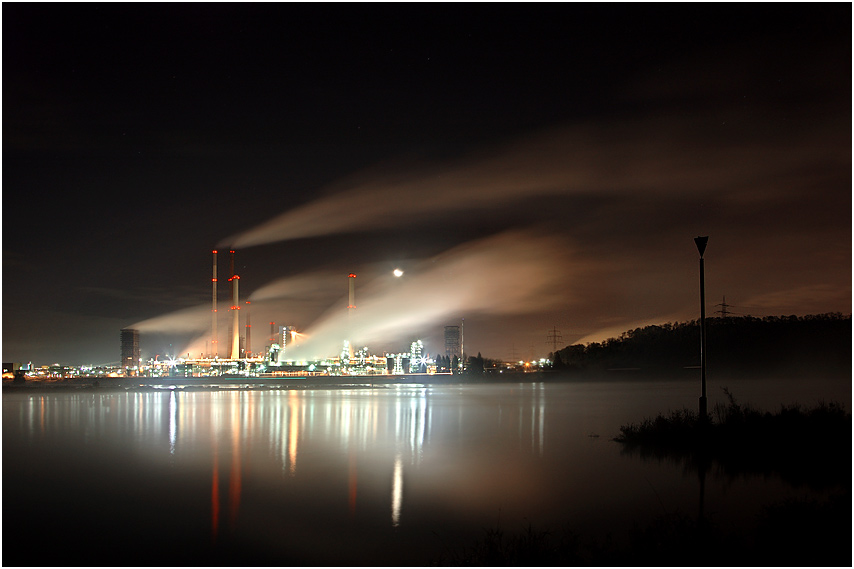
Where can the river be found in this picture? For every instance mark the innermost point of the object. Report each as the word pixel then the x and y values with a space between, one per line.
pixel 391 475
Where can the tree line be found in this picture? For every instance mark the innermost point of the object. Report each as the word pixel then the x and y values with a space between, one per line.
pixel 475 365
pixel 748 344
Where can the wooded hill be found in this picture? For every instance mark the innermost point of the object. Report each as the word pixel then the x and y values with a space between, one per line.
pixel 815 343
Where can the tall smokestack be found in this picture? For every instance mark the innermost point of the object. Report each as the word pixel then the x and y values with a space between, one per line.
pixel 213 353
pixel 233 303
pixel 235 326
pixel 248 346
pixel 231 268
pixel 350 309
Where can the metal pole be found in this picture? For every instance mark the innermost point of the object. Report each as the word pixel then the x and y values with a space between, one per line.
pixel 235 328
pixel 214 345
pixel 350 309
pixel 701 247
pixel 248 346
pixel 463 345
pixel 703 401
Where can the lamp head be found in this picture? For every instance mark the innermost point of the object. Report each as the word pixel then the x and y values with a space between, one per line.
pixel 701 244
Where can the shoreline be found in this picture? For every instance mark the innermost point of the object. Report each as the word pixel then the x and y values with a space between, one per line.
pixel 291 382
pixel 383 381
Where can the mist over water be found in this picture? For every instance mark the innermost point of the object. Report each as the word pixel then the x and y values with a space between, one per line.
pixel 390 476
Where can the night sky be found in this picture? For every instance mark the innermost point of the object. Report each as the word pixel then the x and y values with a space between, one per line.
pixel 527 166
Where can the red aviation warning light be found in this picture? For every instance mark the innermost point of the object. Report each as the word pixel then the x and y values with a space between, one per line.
pixel 352 304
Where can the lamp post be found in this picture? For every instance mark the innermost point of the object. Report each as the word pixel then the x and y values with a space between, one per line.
pixel 701 247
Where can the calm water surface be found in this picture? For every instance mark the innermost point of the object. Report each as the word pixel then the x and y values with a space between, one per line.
pixel 388 476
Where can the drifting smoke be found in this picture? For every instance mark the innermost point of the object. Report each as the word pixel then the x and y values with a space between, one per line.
pixel 193 319
pixel 512 273
pixel 306 288
pixel 617 161
pixel 193 322
pixel 626 197
pixel 627 204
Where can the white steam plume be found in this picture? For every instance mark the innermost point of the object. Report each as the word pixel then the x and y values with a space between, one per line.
pixel 512 273
pixel 649 158
pixel 192 319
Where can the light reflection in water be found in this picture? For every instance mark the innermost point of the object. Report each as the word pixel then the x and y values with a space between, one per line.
pixel 353 482
pixel 234 479
pixel 397 491
pixel 173 418
pixel 293 430
pixel 376 425
pixel 291 470
pixel 215 495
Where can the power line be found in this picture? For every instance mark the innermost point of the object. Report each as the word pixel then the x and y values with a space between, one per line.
pixel 724 311
pixel 553 338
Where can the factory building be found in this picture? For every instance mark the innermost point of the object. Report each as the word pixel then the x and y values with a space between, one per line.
pixel 417 363
pixel 279 357
pixel 452 342
pixel 130 351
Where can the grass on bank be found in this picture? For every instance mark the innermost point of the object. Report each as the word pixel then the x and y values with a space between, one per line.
pixel 804 445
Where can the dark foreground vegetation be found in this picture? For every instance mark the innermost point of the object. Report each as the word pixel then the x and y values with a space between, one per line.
pixel 804 446
pixel 737 345
pixel 789 533
pixel 809 447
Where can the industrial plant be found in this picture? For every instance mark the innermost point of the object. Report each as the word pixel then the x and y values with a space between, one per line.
pixel 278 358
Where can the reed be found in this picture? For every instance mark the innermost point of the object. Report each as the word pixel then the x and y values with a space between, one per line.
pixel 804 445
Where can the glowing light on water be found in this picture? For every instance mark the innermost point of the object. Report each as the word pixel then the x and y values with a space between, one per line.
pixel 173 419
pixel 397 491
pixel 293 431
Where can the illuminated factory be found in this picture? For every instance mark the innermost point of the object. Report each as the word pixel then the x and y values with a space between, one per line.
pixel 277 359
